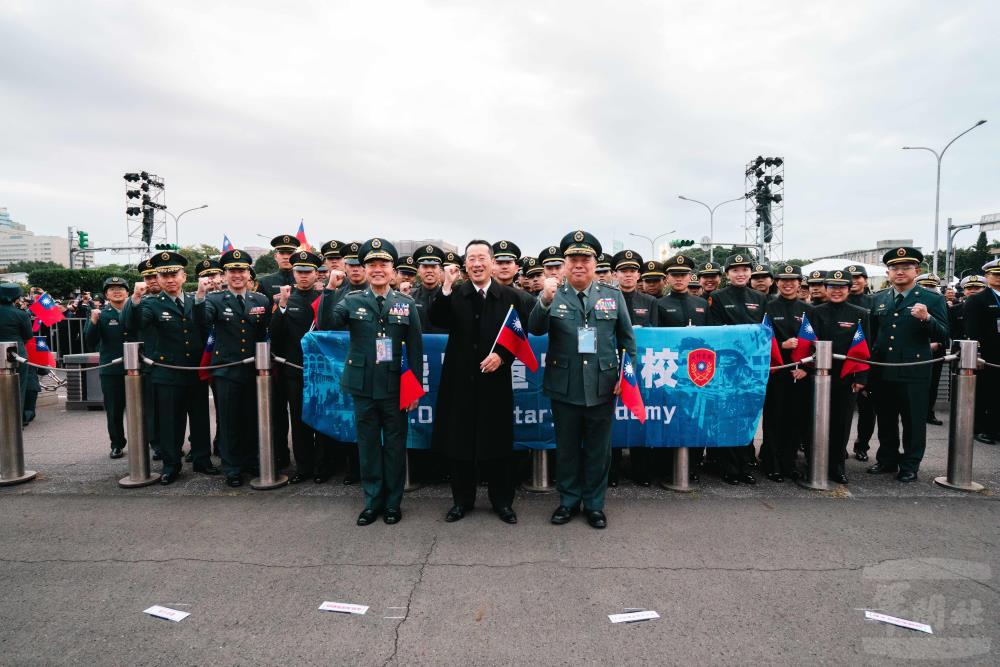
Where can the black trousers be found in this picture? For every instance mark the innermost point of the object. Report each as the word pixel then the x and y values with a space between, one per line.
pixel 237 426
pixel 176 405
pixel 904 402
pixel 866 419
pixel 935 380
pixel 279 419
pixel 842 401
pixel 784 405
pixel 642 462
pixel 313 450
pixel 499 476
pixel 987 411
pixel 150 414
pixel 113 389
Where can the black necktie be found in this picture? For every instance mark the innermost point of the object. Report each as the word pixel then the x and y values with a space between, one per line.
pixel 482 294
pixel 243 305
pixel 583 301
pixel 381 303
pixel 899 298
pixel 177 300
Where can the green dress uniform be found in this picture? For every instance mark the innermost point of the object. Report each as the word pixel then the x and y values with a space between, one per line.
pixel 179 394
pixel 108 336
pixel 581 383
pixel 15 327
pixel 240 321
pixel 381 425
pixel 147 336
pixel 901 392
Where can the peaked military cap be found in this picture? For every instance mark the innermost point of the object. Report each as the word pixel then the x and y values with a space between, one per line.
pixel 902 254
pixel 580 243
pixel 454 258
pixel 652 270
pixel 551 257
pixel 285 243
pixel 350 253
pixel 331 249
pixel 928 280
pixel 816 277
pixel 114 281
pixel 377 248
pixel 531 266
pixel 788 272
pixel 146 267
pixel 972 281
pixel 603 262
pixel 305 260
pixel 506 250
pixel 429 254
pixel 760 270
pixel 679 263
pixel 406 265
pixel 993 266
pixel 168 261
pixel 9 292
pixel 709 269
pixel 236 259
pixel 838 278
pixel 738 260
pixel 208 267
pixel 857 270
pixel 626 259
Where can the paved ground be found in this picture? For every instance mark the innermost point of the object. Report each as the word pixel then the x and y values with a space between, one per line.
pixel 771 573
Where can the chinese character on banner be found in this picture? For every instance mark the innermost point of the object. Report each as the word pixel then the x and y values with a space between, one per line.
pixel 658 368
pixel 519 375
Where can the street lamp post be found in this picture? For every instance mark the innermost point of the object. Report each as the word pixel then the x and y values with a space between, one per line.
pixel 937 192
pixel 652 241
pixel 177 236
pixel 711 220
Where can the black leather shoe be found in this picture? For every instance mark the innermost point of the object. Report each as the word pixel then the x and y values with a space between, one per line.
pixel 753 464
pixel 861 456
pixel 907 476
pixel 234 481
pixel 208 470
pixel 116 453
pixel 563 514
pixel 612 482
pixel 189 457
pixel 321 479
pixel 596 519
pixel 157 456
pixel 693 477
pixel 456 513
pixel 350 480
pixel 839 478
pixel 880 468
pixel 643 482
pixel 168 478
pixel 931 419
pixel 775 477
pixel 731 479
pixel 392 516
pixel 366 517
pixel 507 514
pixel 298 478
pixel 985 439
pixel 747 478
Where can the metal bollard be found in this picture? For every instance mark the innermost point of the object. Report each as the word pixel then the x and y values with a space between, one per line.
pixel 408 484
pixel 961 430
pixel 11 439
pixel 268 478
pixel 135 422
pixel 819 455
pixel 680 479
pixel 539 472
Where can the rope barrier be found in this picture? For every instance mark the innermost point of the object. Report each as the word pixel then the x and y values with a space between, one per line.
pixel 151 362
pixel 947 357
pixel 282 360
pixel 986 363
pixel 22 360
pixel 794 364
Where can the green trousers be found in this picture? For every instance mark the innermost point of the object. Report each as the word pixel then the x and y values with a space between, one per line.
pixel 583 452
pixel 381 427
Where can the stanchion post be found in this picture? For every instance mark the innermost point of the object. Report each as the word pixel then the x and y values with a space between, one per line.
pixel 269 479
pixel 135 421
pixel 539 472
pixel 680 477
pixel 961 428
pixel 409 485
pixel 11 439
pixel 819 454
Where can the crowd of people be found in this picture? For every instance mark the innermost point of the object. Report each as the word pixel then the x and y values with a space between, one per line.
pixel 588 303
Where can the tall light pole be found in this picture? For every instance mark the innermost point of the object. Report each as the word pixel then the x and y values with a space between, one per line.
pixel 177 236
pixel 711 220
pixel 937 192
pixel 652 241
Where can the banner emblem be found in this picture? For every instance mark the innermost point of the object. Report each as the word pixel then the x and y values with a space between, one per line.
pixel 701 366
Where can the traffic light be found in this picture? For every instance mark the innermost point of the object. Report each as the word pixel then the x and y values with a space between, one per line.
pixel 167 246
pixel 147 226
pixel 83 239
pixel 130 177
pixel 681 243
pixel 133 210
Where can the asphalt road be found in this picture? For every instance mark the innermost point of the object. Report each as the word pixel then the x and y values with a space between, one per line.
pixel 771 573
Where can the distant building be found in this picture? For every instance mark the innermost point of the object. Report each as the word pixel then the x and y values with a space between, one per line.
pixel 871 255
pixel 407 246
pixel 18 244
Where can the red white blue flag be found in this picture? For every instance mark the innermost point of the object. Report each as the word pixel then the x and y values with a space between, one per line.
pixel 39 352
pixel 806 337
pixel 858 350
pixel 46 310
pixel 776 359
pixel 206 358
pixel 410 388
pixel 301 236
pixel 631 398
pixel 227 245
pixel 514 339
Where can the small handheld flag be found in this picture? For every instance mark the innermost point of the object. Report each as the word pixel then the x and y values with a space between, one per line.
pixel 776 359
pixel 514 339
pixel 410 388
pixel 39 352
pixel 631 398
pixel 206 358
pixel 807 336
pixel 227 245
pixel 46 310
pixel 301 236
pixel 858 350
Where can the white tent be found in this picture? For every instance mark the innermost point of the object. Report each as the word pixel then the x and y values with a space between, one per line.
pixel 876 273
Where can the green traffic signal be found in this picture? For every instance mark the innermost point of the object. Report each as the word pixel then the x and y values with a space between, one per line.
pixel 681 243
pixel 166 246
pixel 82 239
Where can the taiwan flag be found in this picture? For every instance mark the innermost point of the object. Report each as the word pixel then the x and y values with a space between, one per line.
pixel 514 339
pixel 227 245
pixel 206 358
pixel 301 236
pixel 776 359
pixel 858 350
pixel 39 352
pixel 46 310
pixel 410 388
pixel 807 336
pixel 631 398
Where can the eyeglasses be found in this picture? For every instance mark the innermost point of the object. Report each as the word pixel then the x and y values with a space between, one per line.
pixel 901 268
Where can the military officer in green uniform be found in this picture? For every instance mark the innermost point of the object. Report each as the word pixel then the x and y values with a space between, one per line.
pixel 240 319
pixel 588 324
pixel 380 320
pixel 15 327
pixel 905 320
pixel 147 336
pixel 105 332
pixel 180 395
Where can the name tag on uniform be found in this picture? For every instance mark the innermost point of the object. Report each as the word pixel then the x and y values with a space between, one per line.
pixel 846 325
pixel 751 306
pixel 606 304
pixel 383 350
pixel 586 341
pixel 112 323
pixel 699 310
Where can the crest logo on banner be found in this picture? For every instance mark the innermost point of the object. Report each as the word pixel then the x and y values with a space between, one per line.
pixel 701 366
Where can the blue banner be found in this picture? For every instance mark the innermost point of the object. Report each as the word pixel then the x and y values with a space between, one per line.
pixel 701 386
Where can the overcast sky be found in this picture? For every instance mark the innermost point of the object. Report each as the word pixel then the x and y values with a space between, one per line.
pixel 521 120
